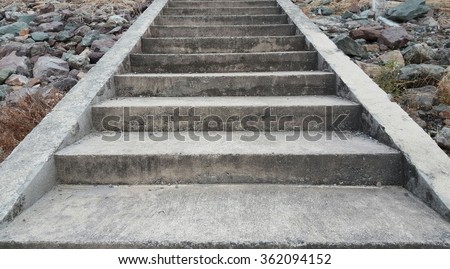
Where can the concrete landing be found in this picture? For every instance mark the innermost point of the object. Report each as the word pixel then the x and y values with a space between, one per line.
pixel 227 216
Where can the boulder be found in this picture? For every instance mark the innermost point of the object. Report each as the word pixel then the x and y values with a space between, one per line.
pixel 367 33
pixel 349 46
pixel 18 64
pixel 40 36
pixel 416 71
pixel 419 53
pixel 443 137
pixel 13 28
pixel 17 80
pixel 394 56
pixel 394 37
pixel 420 98
pixel 47 66
pixel 407 11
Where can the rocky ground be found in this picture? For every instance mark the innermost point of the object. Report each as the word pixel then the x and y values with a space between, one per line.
pixel 408 55
pixel 46 47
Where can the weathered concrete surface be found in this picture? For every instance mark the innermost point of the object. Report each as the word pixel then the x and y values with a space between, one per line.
pixel 257 3
pixel 224 62
pixel 227 216
pixel 226 84
pixel 229 157
pixel 428 170
pixel 221 30
pixel 222 19
pixel 222 11
pixel 223 44
pixel 312 113
pixel 29 172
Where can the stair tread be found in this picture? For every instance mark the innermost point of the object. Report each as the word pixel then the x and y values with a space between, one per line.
pixel 330 143
pixel 223 74
pixel 251 216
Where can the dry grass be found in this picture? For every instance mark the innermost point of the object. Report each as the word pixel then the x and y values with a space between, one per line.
pixel 444 89
pixel 16 121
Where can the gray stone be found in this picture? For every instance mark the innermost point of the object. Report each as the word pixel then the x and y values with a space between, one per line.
pixel 347 15
pixel 4 74
pixel 76 61
pixel 65 84
pixel 27 18
pixel 6 37
pixel 18 64
pixel 419 53
pixel 393 56
pixel 409 10
pixel 415 71
pixel 17 80
pixel 16 96
pixel 102 45
pixel 349 46
pixel 324 11
pixel 63 36
pixel 40 36
pixel 420 98
pixel 116 20
pixel 89 38
pixel 47 66
pixel 13 28
pixel 443 137
pixel 4 91
pixel 395 37
pixel 54 26
pixel 39 49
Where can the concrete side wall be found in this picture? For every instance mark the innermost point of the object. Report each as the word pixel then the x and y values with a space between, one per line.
pixel 427 172
pixel 29 172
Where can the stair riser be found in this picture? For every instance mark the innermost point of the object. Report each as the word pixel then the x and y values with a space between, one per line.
pixel 222 45
pixel 211 169
pixel 222 11
pixel 222 20
pixel 229 118
pixel 148 63
pixel 221 31
pixel 128 86
pixel 183 4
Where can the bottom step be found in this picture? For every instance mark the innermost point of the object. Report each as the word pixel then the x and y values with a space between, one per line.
pixel 226 216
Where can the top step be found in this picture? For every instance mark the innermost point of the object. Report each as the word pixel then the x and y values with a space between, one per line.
pixel 190 4
pixel 222 11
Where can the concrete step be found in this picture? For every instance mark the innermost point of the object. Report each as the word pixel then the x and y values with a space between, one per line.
pixel 227 216
pixel 222 44
pixel 227 113
pixel 221 30
pixel 224 62
pixel 226 84
pixel 229 157
pixel 222 20
pixel 248 3
pixel 222 11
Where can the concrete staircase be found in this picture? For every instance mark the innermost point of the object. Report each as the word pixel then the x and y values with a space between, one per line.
pixel 274 157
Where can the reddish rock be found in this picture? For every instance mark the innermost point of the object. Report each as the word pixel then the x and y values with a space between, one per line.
pixel 354 8
pixel 394 37
pixel 367 33
pixel 445 114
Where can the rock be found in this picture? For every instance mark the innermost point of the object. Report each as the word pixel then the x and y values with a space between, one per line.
pixel 367 33
pixel 354 8
pixel 429 23
pixel 17 80
pixel 443 137
pixel 420 98
pixel 347 15
pixel 65 84
pixel 89 38
pixel 18 95
pixel 63 36
pixel 326 2
pixel 372 70
pixel 6 37
pixel 416 71
pixel 18 64
pixel 27 18
pixel 419 53
pixel 47 66
pixel 116 20
pixel 39 49
pixel 445 114
pixel 349 46
pixel 394 37
pixel 394 56
pixel 371 48
pixel 48 17
pixel 94 57
pixel 54 26
pixel 407 11
pixel 76 61
pixel 13 28
pixel 324 11
pixel 4 91
pixel 46 8
pixel 4 74
pixel 102 45
pixel 40 36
